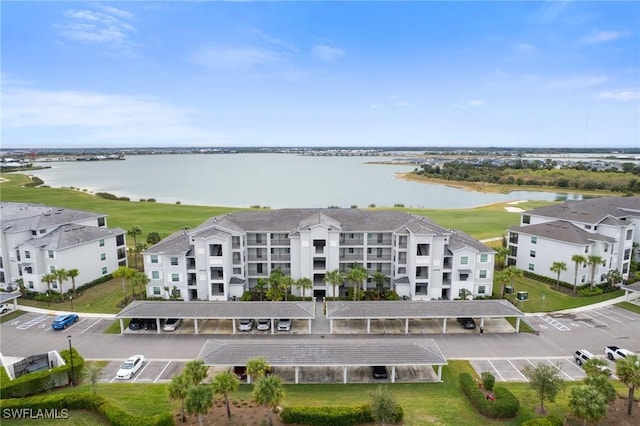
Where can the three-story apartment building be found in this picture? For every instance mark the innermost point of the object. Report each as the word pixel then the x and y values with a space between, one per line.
pixel 227 255
pixel 36 240
pixel 604 227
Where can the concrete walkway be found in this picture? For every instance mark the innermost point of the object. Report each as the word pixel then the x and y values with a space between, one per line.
pixel 53 312
pixel 320 325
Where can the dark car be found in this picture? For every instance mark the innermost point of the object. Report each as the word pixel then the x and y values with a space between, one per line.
pixel 135 324
pixel 240 371
pixel 467 323
pixel 150 324
pixel 379 372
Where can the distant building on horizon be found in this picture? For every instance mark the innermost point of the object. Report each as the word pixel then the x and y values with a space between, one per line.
pixel 36 240
pixel 606 227
pixel 227 255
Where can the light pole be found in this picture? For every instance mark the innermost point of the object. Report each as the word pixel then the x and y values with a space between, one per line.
pixel 73 379
pixel 71 301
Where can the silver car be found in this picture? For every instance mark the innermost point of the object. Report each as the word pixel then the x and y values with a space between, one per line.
pixel 245 324
pixel 284 324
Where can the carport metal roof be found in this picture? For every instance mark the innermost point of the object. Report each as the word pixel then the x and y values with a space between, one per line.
pixel 8 297
pixel 426 309
pixel 218 310
pixel 635 287
pixel 324 352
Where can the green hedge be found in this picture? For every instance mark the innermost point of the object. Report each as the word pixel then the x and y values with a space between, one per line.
pixel 41 381
pixel 327 416
pixel 544 421
pixel 114 415
pixel 504 406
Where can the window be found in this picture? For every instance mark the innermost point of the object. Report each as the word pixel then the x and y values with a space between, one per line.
pixel 30 285
pixel 235 241
pixel 27 254
pixel 351 251
pixel 402 270
pixel 482 289
pixel 464 277
pixel 43 231
pixel 103 256
pixel 259 268
pixel 484 258
pixel 215 249
pixel 156 291
pixel 51 254
pixel 586 249
pixel 34 232
pixel 101 221
pixel 104 270
pixel 237 271
pixel 464 260
pixel 587 227
pixel 258 238
pixel 534 240
pixel 101 243
pixel 52 269
pixel 120 240
pixel 606 248
pixel 629 234
pixel 423 249
pixel 155 275
pixel 175 278
pixel 174 261
pixel 154 258
pixel 532 267
pixel 627 254
pixel 526 218
pixel 625 268
pixel 379 238
pixel 532 253
pixel 483 273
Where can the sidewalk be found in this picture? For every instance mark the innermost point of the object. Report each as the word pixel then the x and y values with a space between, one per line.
pixel 53 312
pixel 588 307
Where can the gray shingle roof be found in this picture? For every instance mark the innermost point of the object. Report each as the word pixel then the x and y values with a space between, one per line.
pixel 176 244
pixel 18 217
pixel 428 309
pixel 218 310
pixel 591 210
pixel 72 235
pixel 561 231
pixel 325 352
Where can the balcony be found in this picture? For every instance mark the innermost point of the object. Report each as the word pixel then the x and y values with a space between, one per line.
pixel 191 263
pixel 351 239
pixel 257 240
pixel 351 257
pixel 282 241
pixel 379 240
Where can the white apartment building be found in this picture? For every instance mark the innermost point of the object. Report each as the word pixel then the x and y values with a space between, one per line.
pixel 225 256
pixel 605 227
pixel 36 240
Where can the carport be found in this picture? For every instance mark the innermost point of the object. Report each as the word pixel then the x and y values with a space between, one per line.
pixel 10 297
pixel 217 310
pixel 631 291
pixel 344 353
pixel 440 309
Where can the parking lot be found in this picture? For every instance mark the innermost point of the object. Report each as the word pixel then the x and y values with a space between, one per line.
pixel 41 323
pixel 154 371
pixel 418 326
pixel 609 316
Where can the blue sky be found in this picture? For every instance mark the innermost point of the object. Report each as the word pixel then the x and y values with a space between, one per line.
pixel 478 74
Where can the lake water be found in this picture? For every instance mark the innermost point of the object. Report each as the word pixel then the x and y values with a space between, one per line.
pixel 274 180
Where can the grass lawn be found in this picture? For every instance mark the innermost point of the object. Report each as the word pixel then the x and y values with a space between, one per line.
pixel 544 298
pixel 76 418
pixel 11 315
pixel 629 306
pixel 102 298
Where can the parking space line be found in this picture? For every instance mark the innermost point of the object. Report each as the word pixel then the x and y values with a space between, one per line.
pixel 32 322
pixel 519 372
pixel 496 370
pixel 99 319
pixel 606 316
pixel 159 375
pixel 560 369
pixel 615 312
pixel 595 319
pixel 587 324
pixel 146 364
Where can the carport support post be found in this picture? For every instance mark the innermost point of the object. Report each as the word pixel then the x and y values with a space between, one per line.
pixel 444 326
pixel 482 323
pixel 331 326
pixel 297 373
pixel 393 374
pixel 518 325
pixel 344 374
pixel 233 324
pixel 309 325
pixel 272 325
pixel 195 325
pixel 158 325
pixel 121 326
pixel 368 325
pixel 440 373
pixel 406 326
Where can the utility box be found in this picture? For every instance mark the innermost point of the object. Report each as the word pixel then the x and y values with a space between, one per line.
pixel 508 289
pixel 522 295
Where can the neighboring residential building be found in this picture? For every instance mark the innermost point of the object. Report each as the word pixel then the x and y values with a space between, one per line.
pixel 36 240
pixel 605 227
pixel 225 256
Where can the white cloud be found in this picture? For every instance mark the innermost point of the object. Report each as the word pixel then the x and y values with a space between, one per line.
pixel 327 53
pixel 578 82
pixel 108 26
pixel 98 117
pixel 474 103
pixel 392 102
pixel 525 47
pixel 622 95
pixel 603 36
pixel 228 57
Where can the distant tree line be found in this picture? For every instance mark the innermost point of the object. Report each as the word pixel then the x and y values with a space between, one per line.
pixel 537 173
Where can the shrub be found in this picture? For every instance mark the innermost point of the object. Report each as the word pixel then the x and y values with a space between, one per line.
pixel 488 380
pixel 106 196
pixel 505 404
pixel 586 291
pixel 540 421
pixel 327 416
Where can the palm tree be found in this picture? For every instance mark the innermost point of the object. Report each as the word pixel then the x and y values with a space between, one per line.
pixel 628 372
pixel 73 273
pixel 126 274
pixel 269 391
pixel 139 248
pixel 257 367
pixel 49 279
pixel 134 232
pixel 199 401
pixel 138 278
pixel 224 383
pixel 178 388
pixel 501 256
pixel 260 286
pixel 508 275
pixel 380 279
pixel 335 279
pixel 578 259
pixel 195 371
pixel 594 261
pixel 558 268
pixel 61 275
pixel 357 274
pixel 285 284
pixel 304 283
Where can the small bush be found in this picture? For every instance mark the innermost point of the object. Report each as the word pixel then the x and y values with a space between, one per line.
pixel 106 196
pixel 327 416
pixel 488 380
pixel 589 292
pixel 505 405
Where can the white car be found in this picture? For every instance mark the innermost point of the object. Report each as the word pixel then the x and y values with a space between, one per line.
pixel 171 324
pixel 4 308
pixel 264 324
pixel 245 324
pixel 130 367
pixel 284 324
